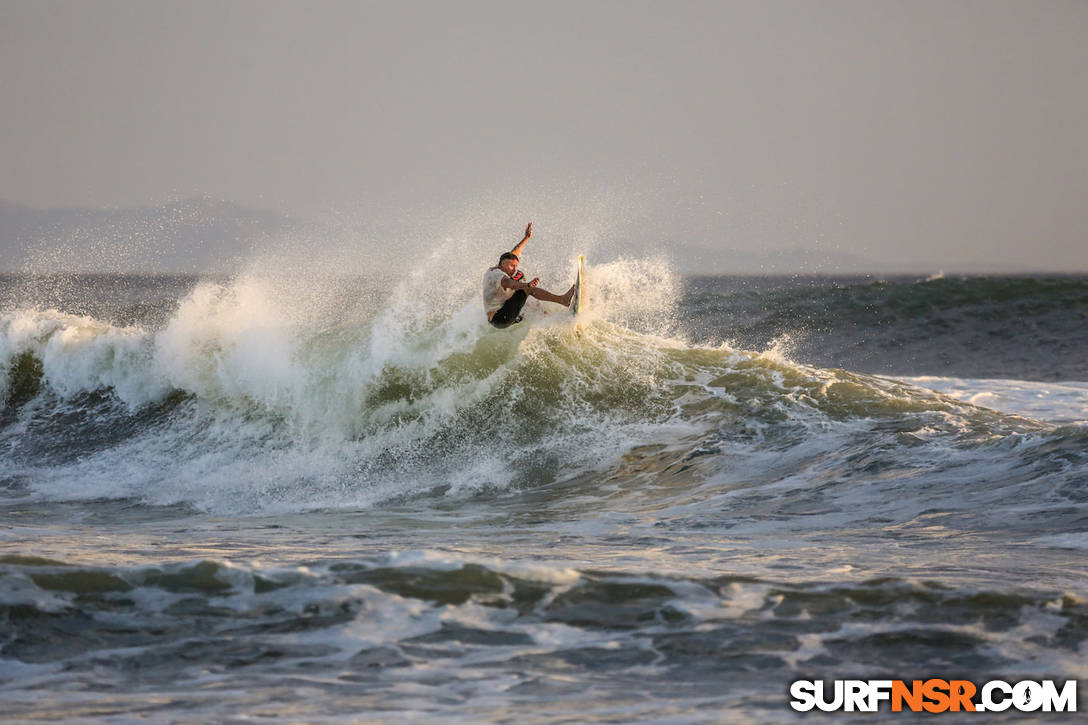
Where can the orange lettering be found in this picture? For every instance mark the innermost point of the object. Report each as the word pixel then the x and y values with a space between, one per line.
pixel 912 695
pixel 936 691
pixel 961 692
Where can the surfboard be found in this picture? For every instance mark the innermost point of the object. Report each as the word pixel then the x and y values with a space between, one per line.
pixel 577 304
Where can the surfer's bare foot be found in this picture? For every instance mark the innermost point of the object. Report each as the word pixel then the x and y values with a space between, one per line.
pixel 568 297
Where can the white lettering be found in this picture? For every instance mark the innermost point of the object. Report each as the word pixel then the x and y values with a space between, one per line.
pixel 1065 701
pixel 994 696
pixel 992 705
pixel 855 695
pixel 1027 696
pixel 804 695
pixel 879 690
pixel 826 705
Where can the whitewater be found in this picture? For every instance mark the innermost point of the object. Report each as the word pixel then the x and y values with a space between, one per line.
pixel 299 494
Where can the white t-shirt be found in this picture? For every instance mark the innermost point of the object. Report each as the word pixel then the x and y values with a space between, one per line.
pixel 495 295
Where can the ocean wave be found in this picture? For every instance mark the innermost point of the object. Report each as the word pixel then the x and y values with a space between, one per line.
pixel 972 327
pixel 390 621
pixel 245 400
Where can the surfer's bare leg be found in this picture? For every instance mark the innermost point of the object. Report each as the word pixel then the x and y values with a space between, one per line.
pixel 543 294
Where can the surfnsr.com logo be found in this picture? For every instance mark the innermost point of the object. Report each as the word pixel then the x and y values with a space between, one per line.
pixel 934 695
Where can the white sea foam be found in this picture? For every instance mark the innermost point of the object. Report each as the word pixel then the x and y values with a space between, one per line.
pixel 81 354
pixel 1058 402
pixel 289 397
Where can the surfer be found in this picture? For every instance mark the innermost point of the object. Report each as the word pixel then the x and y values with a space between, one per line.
pixel 505 291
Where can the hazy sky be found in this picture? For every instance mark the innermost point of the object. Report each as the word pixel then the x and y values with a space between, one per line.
pixel 938 134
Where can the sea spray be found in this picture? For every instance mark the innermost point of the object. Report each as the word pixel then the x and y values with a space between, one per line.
pixel 338 409
pixel 331 497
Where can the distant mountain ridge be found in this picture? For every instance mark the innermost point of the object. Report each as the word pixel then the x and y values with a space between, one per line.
pixel 205 235
pixel 183 237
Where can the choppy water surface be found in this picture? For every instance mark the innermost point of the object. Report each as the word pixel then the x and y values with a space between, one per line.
pixel 255 498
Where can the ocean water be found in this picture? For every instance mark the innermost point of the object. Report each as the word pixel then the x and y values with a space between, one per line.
pixel 283 499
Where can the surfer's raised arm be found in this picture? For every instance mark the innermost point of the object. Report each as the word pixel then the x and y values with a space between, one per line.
pixel 521 245
pixel 504 292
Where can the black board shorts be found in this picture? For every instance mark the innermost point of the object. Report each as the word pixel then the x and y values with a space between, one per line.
pixel 508 314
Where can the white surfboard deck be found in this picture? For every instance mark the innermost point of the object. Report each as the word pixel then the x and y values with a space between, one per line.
pixel 578 303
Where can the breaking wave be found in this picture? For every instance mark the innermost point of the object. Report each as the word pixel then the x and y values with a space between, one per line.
pixel 255 396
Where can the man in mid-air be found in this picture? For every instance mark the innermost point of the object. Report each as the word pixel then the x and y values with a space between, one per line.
pixel 505 292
